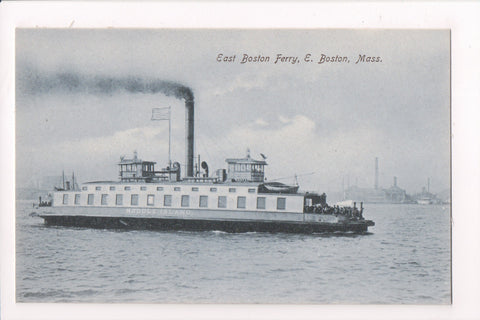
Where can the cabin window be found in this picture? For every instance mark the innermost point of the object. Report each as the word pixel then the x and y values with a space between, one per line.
pixel 90 199
pixel 167 200
pixel 261 203
pixel 241 202
pixel 104 199
pixel 150 200
pixel 177 189
pixel 112 188
pixel 203 201
pixel 281 203
pixel 213 189
pixel 232 190
pixel 252 190
pixel 127 188
pixel 77 199
pixel 143 188
pixel 65 198
pixel 194 188
pixel 134 200
pixel 185 200
pixel 84 188
pixel 222 201
pixel 119 199
pixel 98 188
pixel 159 188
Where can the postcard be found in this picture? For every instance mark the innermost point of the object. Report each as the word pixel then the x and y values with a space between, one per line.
pixel 241 165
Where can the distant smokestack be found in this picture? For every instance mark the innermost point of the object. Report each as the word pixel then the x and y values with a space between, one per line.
pixel 428 185
pixel 376 173
pixel 394 181
pixel 189 128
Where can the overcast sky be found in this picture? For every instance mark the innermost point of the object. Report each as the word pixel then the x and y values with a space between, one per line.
pixel 84 98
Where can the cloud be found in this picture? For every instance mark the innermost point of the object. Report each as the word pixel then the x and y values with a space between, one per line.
pixel 261 122
pixel 94 158
pixel 295 147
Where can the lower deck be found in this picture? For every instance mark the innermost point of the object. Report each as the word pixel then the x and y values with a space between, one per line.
pixel 188 214
pixel 204 225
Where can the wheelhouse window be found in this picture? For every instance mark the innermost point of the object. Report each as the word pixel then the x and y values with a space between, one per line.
pixel 203 202
pixel 185 200
pixel 150 200
pixel 261 203
pixel 241 202
pixel 167 200
pixel 65 198
pixel 281 203
pixel 222 201
pixel 90 199
pixel 104 199
pixel 119 199
pixel 134 200
pixel 77 199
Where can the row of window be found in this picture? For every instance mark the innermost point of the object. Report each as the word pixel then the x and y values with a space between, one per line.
pixel 144 188
pixel 185 201
pixel 237 167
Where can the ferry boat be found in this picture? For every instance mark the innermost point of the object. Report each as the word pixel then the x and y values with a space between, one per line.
pixel 236 199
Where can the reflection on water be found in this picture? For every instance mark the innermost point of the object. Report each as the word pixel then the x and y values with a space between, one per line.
pixel 405 258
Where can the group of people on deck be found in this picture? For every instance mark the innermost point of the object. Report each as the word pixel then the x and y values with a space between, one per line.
pixel 351 212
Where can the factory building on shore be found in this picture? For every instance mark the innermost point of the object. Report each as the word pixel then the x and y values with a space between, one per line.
pixel 393 194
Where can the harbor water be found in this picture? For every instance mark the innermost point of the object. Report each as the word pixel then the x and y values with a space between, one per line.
pixel 404 259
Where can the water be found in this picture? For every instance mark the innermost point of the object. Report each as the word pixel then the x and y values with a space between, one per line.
pixel 405 259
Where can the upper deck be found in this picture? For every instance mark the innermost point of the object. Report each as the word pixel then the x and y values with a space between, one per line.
pixel 179 195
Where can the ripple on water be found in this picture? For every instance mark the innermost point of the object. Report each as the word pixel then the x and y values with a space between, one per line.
pixel 394 263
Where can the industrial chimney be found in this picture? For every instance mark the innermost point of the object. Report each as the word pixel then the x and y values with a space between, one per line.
pixel 376 173
pixel 189 128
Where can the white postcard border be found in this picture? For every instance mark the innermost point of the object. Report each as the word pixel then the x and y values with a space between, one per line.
pixel 461 18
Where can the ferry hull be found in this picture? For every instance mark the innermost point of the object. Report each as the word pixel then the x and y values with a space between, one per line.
pixel 237 226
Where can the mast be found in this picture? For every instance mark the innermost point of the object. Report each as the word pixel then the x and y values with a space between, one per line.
pixel 169 137
pixel 63 179
pixel 165 114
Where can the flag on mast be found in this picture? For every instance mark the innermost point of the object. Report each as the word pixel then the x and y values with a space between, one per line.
pixel 161 113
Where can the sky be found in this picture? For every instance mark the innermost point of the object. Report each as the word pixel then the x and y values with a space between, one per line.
pixel 84 98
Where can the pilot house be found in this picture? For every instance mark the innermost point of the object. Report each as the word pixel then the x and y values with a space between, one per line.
pixel 246 169
pixel 133 170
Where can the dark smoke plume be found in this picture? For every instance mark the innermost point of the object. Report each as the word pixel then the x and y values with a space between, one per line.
pixel 32 82
pixel 29 81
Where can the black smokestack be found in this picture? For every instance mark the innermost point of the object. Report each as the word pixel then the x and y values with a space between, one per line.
pixel 189 127
pixel 33 82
